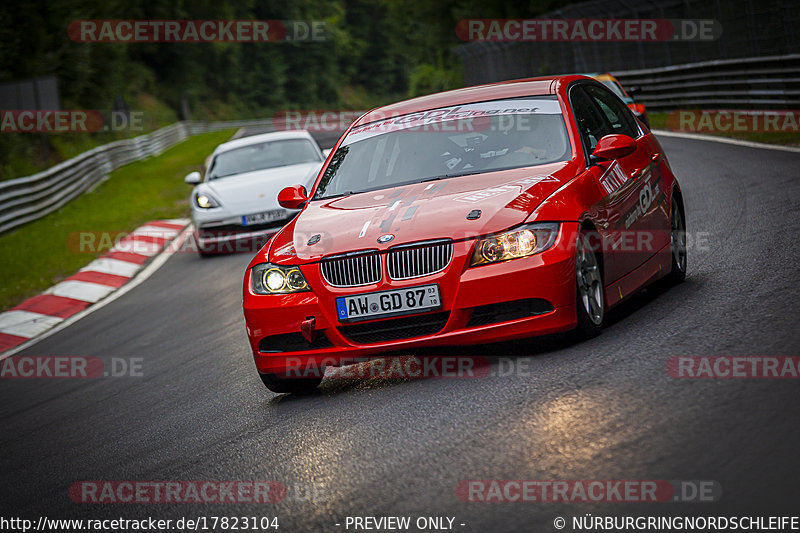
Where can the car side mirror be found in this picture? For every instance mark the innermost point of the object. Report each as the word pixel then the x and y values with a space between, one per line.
pixel 193 178
pixel 294 197
pixel 614 146
pixel 634 90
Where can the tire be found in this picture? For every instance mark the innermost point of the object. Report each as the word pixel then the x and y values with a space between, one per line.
pixel 295 385
pixel 677 237
pixel 590 298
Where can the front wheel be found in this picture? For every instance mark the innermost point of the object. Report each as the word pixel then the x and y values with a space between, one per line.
pixel 591 300
pixel 677 237
pixel 284 385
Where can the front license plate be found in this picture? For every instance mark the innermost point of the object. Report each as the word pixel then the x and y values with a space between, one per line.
pixel 263 218
pixel 388 303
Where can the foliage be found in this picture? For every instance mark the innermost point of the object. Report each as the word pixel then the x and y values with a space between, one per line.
pixel 375 51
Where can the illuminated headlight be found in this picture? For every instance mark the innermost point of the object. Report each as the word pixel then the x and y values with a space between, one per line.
pixel 273 279
pixel 521 242
pixel 205 201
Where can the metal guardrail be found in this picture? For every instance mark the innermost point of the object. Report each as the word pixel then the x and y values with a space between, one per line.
pixel 752 83
pixel 26 199
pixel 750 28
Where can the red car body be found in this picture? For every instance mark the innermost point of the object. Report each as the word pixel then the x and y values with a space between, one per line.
pixel 625 202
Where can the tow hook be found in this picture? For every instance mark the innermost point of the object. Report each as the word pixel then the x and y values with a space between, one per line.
pixel 307 329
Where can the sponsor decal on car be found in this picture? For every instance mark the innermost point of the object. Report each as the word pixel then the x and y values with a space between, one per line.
pixel 614 178
pixel 471 117
pixel 649 193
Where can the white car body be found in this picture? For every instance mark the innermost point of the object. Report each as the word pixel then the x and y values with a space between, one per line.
pixel 246 197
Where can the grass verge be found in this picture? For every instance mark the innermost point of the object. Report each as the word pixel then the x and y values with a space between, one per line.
pixel 38 255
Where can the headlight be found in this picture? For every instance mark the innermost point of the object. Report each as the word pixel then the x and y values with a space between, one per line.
pixel 521 242
pixel 204 201
pixel 272 279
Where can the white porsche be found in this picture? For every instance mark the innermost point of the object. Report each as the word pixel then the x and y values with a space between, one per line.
pixel 235 206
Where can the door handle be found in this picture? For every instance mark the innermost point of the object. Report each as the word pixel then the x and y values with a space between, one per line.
pixel 636 174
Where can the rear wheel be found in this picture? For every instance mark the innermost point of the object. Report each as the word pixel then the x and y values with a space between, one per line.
pixel 591 300
pixel 296 385
pixel 677 239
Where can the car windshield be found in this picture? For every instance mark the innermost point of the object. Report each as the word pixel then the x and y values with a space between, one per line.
pixel 447 142
pixel 262 156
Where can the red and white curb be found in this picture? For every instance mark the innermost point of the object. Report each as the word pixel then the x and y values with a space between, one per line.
pixel 89 285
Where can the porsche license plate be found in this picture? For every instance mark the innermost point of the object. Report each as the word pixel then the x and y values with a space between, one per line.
pixel 263 218
pixel 389 303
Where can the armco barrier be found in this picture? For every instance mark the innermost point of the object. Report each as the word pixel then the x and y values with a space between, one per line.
pixel 25 199
pixel 750 83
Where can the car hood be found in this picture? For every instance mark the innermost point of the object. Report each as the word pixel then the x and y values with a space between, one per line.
pixel 255 188
pixel 419 212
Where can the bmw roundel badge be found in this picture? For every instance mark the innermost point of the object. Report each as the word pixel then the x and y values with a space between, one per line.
pixel 383 239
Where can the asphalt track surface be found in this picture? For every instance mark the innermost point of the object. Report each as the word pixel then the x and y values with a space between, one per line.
pixel 601 409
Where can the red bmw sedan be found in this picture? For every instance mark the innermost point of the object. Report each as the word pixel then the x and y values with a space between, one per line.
pixel 472 216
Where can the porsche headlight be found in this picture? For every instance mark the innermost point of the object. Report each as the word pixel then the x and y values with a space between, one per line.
pixel 272 279
pixel 521 242
pixel 205 201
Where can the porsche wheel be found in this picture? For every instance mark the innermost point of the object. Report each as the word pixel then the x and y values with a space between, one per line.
pixel 590 300
pixel 283 385
pixel 677 239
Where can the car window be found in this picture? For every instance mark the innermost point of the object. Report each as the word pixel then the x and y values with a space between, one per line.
pixel 447 142
pixel 614 110
pixel 592 125
pixel 262 156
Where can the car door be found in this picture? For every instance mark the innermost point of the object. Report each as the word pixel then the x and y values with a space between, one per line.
pixel 624 180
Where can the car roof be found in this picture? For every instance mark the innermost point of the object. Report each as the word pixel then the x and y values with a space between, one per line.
pixel 468 95
pixel 262 137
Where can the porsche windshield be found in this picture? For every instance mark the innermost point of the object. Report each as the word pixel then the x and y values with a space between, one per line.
pixel 262 156
pixel 447 142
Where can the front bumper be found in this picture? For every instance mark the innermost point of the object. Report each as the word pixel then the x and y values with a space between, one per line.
pixel 219 231
pixel 519 298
